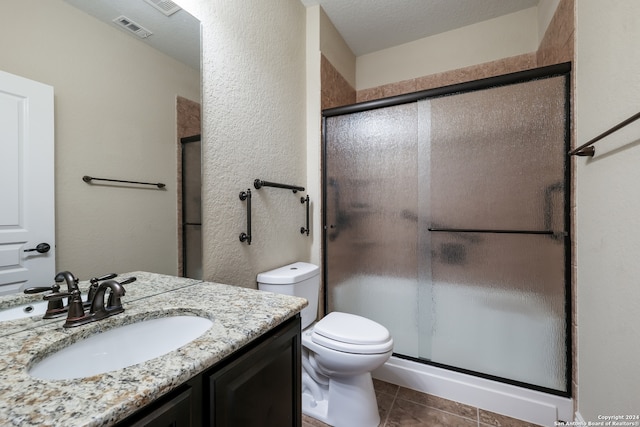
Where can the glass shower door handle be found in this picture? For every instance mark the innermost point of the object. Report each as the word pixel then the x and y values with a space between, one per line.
pixel 337 213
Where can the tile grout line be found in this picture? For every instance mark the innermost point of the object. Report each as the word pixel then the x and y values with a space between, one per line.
pixel 444 411
pixel 393 402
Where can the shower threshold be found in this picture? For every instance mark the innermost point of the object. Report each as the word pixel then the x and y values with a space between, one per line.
pixel 517 402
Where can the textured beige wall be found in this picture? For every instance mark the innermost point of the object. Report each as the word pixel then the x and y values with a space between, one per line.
pixel 314 123
pixel 254 126
pixel 115 108
pixel 336 50
pixel 607 206
pixel 546 11
pixel 494 39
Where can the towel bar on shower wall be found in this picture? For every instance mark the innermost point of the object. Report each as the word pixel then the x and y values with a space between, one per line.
pixel 587 149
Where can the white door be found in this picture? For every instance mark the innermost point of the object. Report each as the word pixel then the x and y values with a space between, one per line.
pixel 26 184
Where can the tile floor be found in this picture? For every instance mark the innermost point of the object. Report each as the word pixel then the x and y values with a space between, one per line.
pixel 402 407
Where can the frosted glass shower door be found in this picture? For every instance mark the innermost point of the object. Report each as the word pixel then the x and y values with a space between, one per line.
pixel 446 222
pixel 371 214
pixel 497 231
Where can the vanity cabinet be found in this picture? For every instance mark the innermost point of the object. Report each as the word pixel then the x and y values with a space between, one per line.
pixel 262 386
pixel 258 385
pixel 176 410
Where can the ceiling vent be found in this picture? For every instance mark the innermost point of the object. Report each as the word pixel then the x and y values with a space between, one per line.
pixel 129 25
pixel 165 6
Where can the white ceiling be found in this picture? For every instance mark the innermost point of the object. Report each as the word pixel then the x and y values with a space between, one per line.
pixel 366 25
pixel 371 25
pixel 177 35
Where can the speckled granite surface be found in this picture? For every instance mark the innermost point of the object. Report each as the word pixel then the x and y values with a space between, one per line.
pixel 147 284
pixel 239 315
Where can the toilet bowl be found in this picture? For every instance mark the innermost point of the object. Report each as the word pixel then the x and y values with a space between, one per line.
pixel 338 352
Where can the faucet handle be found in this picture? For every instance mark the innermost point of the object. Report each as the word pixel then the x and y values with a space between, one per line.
pixel 56 296
pixel 38 289
pixel 114 300
pixel 75 316
pixel 128 280
pixel 95 282
pixel 55 307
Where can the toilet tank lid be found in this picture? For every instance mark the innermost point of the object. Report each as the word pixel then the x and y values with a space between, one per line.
pixel 289 274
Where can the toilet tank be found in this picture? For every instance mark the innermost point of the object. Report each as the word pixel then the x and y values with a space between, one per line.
pixel 300 279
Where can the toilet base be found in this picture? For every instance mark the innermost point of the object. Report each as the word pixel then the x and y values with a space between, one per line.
pixel 346 402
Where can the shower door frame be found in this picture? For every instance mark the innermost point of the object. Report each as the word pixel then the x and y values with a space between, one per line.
pixel 183 205
pixel 558 70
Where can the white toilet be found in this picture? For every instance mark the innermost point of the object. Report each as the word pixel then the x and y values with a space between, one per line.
pixel 338 352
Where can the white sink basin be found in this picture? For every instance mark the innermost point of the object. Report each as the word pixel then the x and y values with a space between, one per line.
pixel 37 308
pixel 121 347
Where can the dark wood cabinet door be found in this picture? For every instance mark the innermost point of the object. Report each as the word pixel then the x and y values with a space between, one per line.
pixel 175 411
pixel 261 387
pixel 257 386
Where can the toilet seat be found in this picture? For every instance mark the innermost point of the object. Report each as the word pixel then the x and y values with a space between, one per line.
pixel 350 333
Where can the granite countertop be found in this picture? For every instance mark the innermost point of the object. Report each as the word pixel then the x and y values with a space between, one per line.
pixel 239 315
pixel 146 285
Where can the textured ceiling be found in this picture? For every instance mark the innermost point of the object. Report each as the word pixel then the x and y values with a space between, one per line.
pixel 177 35
pixel 366 25
pixel 371 25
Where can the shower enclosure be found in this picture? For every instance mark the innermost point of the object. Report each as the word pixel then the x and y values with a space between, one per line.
pixel 191 147
pixel 446 219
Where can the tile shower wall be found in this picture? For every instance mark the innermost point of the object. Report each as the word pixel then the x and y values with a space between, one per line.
pixel 336 91
pixel 402 407
pixel 489 69
pixel 556 47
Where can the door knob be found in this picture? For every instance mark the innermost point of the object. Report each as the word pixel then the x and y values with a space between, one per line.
pixel 41 248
